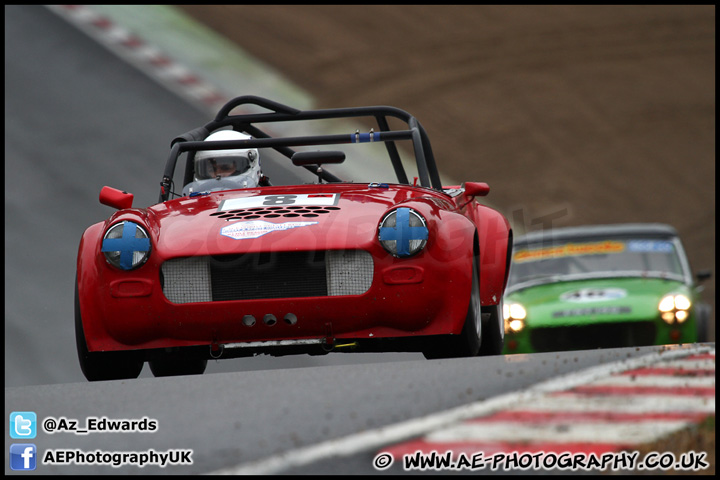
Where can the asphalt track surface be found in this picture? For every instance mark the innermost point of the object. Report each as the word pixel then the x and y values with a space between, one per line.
pixel 77 118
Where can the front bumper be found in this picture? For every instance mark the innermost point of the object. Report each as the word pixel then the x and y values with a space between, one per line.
pixel 618 334
pixel 405 298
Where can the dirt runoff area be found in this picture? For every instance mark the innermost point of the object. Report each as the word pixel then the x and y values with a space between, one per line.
pixel 573 115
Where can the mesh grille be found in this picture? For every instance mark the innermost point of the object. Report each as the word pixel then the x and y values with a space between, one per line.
pixel 267 275
pixel 349 272
pixel 187 280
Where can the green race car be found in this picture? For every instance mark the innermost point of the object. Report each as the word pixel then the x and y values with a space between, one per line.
pixel 602 286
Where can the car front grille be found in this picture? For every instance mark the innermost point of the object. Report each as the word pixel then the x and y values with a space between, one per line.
pixel 267 275
pixel 586 337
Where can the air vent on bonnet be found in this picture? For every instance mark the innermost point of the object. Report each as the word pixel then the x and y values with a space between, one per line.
pixel 274 212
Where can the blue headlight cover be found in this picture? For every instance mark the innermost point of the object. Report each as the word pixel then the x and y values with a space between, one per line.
pixel 126 245
pixel 403 232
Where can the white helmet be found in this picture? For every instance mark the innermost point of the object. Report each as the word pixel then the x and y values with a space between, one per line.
pixel 219 164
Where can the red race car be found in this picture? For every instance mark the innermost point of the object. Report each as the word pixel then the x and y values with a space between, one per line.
pixel 235 266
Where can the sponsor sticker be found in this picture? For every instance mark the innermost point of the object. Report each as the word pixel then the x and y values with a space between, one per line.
pixel 660 246
pixel 258 228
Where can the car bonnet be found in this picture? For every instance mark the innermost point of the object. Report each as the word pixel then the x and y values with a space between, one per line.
pixel 308 217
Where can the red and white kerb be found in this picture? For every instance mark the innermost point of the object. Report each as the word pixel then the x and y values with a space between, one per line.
pixel 144 56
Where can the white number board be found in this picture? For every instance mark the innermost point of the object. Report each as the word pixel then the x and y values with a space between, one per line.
pixel 284 200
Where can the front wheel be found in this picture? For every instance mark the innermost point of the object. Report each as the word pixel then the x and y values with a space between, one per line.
pixel 467 344
pixel 98 366
pixel 172 364
pixel 703 322
pixel 493 338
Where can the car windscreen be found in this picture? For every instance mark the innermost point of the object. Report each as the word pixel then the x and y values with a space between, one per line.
pixel 569 259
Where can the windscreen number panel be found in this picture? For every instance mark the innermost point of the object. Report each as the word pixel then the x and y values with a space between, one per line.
pixel 594 248
pixel 281 200
pixel 570 249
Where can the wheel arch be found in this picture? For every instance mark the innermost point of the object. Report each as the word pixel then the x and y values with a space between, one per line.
pixel 495 239
pixel 86 277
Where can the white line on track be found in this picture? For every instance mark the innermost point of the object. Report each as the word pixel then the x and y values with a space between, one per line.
pixel 632 404
pixel 671 381
pixel 691 364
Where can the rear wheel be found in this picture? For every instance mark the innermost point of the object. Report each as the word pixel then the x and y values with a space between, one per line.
pixel 98 366
pixel 467 344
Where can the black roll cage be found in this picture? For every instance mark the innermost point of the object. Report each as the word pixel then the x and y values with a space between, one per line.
pixel 192 141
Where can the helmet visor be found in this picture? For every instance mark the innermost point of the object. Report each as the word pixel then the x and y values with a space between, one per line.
pixel 214 167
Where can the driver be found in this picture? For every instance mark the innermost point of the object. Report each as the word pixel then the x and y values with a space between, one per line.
pixel 225 169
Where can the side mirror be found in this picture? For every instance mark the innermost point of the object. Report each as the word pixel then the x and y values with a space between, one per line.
pixel 703 275
pixel 476 189
pixel 112 197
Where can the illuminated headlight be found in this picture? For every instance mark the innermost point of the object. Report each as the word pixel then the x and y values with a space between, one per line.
pixel 674 307
pixel 514 315
pixel 126 245
pixel 403 232
pixel 682 302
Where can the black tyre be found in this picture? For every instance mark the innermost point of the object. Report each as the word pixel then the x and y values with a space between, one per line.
pixel 467 344
pixel 173 364
pixel 97 366
pixel 703 312
pixel 493 338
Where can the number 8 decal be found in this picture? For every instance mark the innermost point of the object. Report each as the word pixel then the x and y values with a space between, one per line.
pixel 279 200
